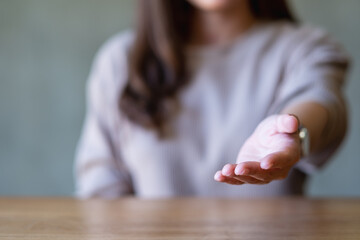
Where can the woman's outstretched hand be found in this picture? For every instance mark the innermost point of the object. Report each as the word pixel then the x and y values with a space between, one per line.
pixel 267 155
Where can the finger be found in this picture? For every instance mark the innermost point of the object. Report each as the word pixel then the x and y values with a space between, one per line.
pixel 264 176
pixel 286 123
pixel 254 170
pixel 230 176
pixel 277 160
pixel 249 180
pixel 248 168
pixel 228 170
pixel 221 178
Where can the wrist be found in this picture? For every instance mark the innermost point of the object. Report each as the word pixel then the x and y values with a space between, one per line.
pixel 304 137
pixel 304 140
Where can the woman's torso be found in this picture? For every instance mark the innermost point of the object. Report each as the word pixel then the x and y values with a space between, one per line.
pixel 231 90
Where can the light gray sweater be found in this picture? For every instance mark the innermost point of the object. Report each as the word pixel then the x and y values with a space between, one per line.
pixel 232 89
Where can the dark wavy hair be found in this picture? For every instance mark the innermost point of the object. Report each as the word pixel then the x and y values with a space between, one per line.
pixel 157 69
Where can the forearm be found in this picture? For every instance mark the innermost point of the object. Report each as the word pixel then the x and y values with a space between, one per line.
pixel 315 118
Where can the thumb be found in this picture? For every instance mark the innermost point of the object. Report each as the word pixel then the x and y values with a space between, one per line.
pixel 287 123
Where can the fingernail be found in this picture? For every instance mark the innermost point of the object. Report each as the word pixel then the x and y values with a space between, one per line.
pixel 297 118
pixel 265 165
pixel 241 171
pixel 287 120
pixel 217 176
pixel 289 124
pixel 225 171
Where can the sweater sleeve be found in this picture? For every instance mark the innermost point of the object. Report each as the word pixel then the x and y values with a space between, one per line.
pixel 99 170
pixel 316 72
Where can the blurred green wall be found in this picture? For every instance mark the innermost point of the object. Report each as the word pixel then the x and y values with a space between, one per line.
pixel 46 50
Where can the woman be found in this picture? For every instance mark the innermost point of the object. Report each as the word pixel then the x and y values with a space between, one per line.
pixel 206 87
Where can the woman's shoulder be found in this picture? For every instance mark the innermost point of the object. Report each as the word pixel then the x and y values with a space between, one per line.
pixel 297 32
pixel 109 73
pixel 110 65
pixel 116 47
pixel 300 42
pixel 304 37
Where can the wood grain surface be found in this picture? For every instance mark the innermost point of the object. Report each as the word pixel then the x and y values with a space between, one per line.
pixel 187 218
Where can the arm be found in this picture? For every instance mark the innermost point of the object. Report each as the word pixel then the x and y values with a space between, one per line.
pixel 99 169
pixel 314 117
pixel 274 148
pixel 311 90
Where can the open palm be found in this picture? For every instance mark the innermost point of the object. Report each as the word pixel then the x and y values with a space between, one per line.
pixel 267 155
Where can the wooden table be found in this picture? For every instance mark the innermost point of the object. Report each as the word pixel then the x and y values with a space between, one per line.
pixel 189 218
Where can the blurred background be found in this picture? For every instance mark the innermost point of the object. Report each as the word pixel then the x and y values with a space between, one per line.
pixel 46 50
